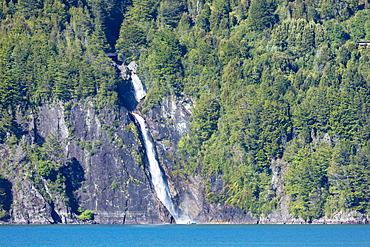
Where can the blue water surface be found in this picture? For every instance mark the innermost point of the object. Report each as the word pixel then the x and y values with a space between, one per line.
pixel 185 235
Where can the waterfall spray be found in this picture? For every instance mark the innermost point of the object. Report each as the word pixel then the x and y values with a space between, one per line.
pixel 157 177
pixel 159 183
pixel 138 86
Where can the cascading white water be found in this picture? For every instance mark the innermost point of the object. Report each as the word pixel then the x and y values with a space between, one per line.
pixel 158 181
pixel 160 185
pixel 138 86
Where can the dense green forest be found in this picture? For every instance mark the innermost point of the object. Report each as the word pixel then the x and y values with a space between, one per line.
pixel 272 81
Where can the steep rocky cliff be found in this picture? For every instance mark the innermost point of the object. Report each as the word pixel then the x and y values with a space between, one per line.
pixel 89 155
pixel 103 168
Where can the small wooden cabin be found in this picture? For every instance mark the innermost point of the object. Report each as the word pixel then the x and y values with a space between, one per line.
pixel 111 54
pixel 363 44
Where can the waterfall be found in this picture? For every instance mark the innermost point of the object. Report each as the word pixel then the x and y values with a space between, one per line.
pixel 138 86
pixel 157 177
pixel 159 183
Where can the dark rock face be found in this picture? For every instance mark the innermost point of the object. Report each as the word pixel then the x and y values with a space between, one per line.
pixel 28 205
pixel 168 123
pixel 116 186
pixel 103 165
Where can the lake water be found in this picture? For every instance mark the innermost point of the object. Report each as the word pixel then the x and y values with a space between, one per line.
pixel 185 235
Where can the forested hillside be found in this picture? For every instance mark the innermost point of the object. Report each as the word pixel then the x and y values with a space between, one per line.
pixel 280 90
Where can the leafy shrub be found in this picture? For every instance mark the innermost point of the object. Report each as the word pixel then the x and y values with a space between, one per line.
pixel 86 215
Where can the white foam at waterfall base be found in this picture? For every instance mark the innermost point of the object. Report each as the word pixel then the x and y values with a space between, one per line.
pixel 138 86
pixel 160 186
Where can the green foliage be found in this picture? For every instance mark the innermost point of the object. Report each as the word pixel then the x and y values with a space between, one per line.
pixel 260 14
pixel 298 35
pixel 348 176
pixel 132 38
pixel 357 25
pixel 203 18
pixel 164 63
pixel 87 215
pixel 169 12
pixel 115 185
pixel 49 158
pixel 6 198
pixel 90 146
pixel 143 10
pixel 205 117
pixel 291 88
pixel 204 124
pixel 306 182
pixel 58 53
pixel 132 128
pixel 269 80
pixel 46 168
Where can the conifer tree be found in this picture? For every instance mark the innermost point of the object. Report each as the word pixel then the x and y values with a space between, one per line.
pixel 260 14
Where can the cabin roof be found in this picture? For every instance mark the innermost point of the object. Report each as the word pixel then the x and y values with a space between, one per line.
pixel 111 54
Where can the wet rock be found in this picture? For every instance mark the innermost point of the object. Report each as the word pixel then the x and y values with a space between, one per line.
pixel 132 66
